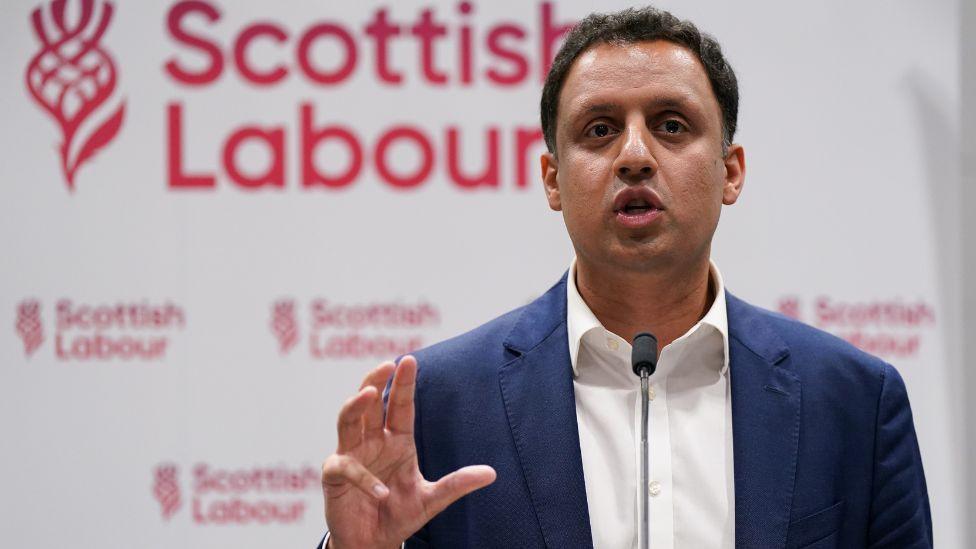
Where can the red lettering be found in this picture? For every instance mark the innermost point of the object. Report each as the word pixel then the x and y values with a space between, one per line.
pixel 353 345
pixel 311 138
pixel 100 347
pixel 175 175
pixel 428 31
pixel 550 35
pixel 517 59
pixel 824 314
pixel 465 8
pixel 274 140
pixel 267 77
pixel 332 155
pixel 174 22
pixel 488 177
pixel 460 37
pixel 381 31
pixel 345 68
pixel 426 150
pixel 524 140
pixel 239 511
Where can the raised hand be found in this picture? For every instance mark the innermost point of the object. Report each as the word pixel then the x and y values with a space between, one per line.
pixel 375 496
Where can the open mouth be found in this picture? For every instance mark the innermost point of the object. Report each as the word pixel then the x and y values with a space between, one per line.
pixel 637 207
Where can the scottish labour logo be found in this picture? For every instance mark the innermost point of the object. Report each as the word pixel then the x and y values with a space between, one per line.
pixel 166 489
pixel 72 77
pixel 284 325
pixel 29 326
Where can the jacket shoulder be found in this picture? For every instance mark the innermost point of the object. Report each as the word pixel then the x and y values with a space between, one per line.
pixel 470 349
pixel 497 341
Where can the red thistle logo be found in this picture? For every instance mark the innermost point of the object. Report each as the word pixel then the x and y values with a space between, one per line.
pixel 284 325
pixel 166 489
pixel 72 76
pixel 29 326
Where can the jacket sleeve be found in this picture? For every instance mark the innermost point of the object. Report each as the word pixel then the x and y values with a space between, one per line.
pixel 420 539
pixel 900 515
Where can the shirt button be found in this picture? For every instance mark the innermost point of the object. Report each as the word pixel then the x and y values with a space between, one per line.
pixel 654 487
pixel 613 344
pixel 650 393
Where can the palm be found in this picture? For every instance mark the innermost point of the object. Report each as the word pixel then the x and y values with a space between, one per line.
pixel 370 452
pixel 381 523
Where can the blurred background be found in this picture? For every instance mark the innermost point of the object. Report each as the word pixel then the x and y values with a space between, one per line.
pixel 218 215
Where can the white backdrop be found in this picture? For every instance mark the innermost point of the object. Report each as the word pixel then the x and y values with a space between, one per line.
pixel 241 317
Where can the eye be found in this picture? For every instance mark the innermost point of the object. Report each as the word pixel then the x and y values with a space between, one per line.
pixel 672 126
pixel 599 130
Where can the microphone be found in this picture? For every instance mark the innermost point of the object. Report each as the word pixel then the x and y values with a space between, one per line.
pixel 644 354
pixel 643 359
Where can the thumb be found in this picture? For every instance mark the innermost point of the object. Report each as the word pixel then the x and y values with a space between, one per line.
pixel 456 485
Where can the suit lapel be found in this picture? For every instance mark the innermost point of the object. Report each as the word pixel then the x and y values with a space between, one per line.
pixel 537 389
pixel 766 401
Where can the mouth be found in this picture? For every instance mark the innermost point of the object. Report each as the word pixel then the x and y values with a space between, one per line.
pixel 637 207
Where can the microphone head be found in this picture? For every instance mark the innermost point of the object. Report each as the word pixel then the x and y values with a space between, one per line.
pixel 644 354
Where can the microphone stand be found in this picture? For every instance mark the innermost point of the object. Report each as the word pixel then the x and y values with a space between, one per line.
pixel 644 362
pixel 642 503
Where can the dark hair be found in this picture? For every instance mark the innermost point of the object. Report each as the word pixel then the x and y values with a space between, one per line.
pixel 639 25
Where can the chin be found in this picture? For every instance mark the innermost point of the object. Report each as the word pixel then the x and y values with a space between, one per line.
pixel 639 256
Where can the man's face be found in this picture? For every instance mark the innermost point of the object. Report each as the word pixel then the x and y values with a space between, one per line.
pixel 639 171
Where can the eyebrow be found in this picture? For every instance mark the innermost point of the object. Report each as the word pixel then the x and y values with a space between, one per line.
pixel 667 102
pixel 597 108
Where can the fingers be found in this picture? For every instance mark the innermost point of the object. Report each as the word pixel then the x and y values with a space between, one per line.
pixel 350 423
pixel 340 470
pixel 373 417
pixel 399 409
pixel 457 485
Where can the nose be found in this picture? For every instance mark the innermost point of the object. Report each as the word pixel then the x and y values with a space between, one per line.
pixel 635 162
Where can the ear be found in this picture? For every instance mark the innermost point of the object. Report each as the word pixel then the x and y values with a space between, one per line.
pixel 550 168
pixel 735 174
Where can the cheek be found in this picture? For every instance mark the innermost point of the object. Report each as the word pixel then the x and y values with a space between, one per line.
pixel 699 193
pixel 582 186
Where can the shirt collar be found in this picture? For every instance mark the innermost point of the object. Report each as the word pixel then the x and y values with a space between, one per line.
pixel 717 315
pixel 580 319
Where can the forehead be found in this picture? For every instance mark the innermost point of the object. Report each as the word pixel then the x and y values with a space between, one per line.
pixel 644 71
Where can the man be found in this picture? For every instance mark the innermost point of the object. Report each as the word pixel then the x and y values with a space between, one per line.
pixel 764 432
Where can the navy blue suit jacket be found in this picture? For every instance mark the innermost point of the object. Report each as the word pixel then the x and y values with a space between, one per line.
pixel 824 446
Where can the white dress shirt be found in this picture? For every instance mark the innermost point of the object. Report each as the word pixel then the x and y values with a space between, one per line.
pixel 691 487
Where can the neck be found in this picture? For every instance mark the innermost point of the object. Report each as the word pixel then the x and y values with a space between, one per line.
pixel 666 303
